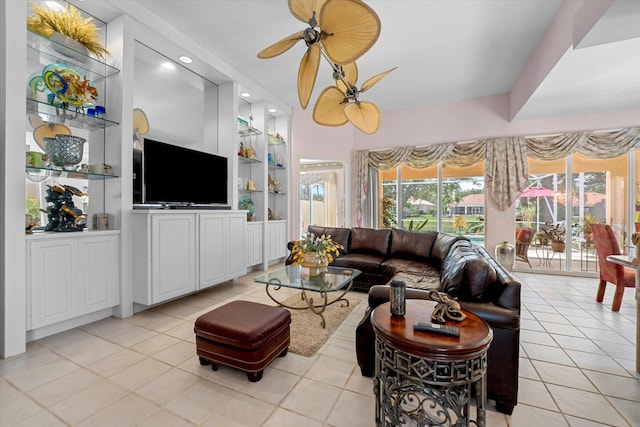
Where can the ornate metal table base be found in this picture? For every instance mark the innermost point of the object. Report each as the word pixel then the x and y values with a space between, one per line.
pixel 316 308
pixel 413 390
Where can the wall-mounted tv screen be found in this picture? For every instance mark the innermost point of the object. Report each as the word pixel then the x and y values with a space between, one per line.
pixel 174 175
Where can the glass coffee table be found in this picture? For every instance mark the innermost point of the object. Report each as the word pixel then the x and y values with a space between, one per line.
pixel 334 281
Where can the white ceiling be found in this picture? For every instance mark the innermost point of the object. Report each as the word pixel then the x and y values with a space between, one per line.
pixel 445 50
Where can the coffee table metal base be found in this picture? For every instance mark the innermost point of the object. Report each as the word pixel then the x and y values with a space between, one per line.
pixel 412 390
pixel 317 307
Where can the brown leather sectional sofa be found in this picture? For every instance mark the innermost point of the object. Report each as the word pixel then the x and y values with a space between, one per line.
pixel 450 264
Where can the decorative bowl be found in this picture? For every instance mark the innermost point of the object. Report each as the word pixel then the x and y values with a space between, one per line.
pixel 64 150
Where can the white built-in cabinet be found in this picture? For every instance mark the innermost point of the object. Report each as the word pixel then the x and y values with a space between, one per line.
pixel 72 276
pixel 254 243
pixel 276 240
pixel 222 247
pixel 178 252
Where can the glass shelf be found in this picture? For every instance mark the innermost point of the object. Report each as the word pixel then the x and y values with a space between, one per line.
pixel 249 191
pixel 41 173
pixel 276 167
pixel 242 159
pixel 43 50
pixel 277 194
pixel 246 130
pixel 73 117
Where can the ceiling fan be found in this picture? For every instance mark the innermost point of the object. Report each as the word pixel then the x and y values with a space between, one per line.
pixel 341 31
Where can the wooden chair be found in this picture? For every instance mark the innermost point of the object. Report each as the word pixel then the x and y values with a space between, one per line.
pixel 524 236
pixel 607 244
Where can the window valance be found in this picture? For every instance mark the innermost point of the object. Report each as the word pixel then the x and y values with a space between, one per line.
pixel 506 158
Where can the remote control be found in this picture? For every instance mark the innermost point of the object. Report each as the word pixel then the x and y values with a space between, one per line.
pixel 436 328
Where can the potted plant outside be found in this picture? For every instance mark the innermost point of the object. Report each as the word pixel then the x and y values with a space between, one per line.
pixel 586 227
pixel 556 234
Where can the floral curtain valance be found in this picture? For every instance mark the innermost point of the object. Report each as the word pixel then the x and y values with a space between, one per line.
pixel 505 166
pixel 455 154
pixel 602 145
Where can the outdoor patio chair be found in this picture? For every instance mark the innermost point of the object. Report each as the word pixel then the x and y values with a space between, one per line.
pixel 524 236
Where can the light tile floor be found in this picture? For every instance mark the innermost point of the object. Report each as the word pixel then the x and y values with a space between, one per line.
pixel 577 368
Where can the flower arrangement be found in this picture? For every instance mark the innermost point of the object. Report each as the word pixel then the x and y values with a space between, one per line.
pixel 324 248
pixel 68 22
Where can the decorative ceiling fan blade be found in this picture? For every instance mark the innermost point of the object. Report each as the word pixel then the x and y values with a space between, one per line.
pixel 350 71
pixel 280 47
pixel 349 29
pixel 364 115
pixel 303 9
pixel 49 130
pixel 307 74
pixel 375 79
pixel 329 109
pixel 36 121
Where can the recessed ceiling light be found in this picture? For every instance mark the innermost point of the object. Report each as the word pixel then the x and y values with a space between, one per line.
pixel 54 5
pixel 245 94
pixel 168 65
pixel 185 59
pixel 272 110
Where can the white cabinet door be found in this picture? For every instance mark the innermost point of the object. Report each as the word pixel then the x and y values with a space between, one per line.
pixel 173 247
pixel 254 244
pixel 212 249
pixel 98 273
pixel 276 240
pixel 235 246
pixel 52 281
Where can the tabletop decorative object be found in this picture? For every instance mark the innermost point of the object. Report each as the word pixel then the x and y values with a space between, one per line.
pixel 446 309
pixel 315 252
pixel 62 214
pixel 67 24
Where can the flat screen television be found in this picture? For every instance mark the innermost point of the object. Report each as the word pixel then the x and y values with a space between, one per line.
pixel 179 176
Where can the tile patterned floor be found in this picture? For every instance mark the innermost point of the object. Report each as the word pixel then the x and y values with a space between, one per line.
pixel 577 368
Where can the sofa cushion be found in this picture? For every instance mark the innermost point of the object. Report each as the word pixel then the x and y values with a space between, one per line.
pixel 441 247
pixel 338 235
pixel 367 263
pixel 466 275
pixel 411 245
pixel 392 266
pixel 370 241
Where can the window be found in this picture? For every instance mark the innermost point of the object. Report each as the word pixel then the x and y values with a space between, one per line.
pixel 441 197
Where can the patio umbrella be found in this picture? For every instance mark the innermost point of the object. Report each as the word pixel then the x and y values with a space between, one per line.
pixel 538 192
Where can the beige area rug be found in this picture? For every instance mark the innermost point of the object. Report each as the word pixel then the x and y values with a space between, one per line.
pixel 307 335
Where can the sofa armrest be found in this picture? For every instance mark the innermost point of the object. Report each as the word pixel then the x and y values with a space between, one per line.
pixel 496 316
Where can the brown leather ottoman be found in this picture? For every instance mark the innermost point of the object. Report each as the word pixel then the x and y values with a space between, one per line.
pixel 243 334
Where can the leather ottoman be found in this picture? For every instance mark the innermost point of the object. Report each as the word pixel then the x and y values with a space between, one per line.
pixel 243 334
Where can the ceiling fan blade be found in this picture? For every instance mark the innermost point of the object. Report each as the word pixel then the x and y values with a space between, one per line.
pixel 364 115
pixel 328 110
pixel 303 9
pixel 349 29
pixel 350 74
pixel 307 74
pixel 280 47
pixel 375 79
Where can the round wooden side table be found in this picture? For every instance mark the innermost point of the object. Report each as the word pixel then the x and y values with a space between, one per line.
pixel 427 379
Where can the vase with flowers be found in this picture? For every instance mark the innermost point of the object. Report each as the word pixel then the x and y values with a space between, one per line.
pixel 315 252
